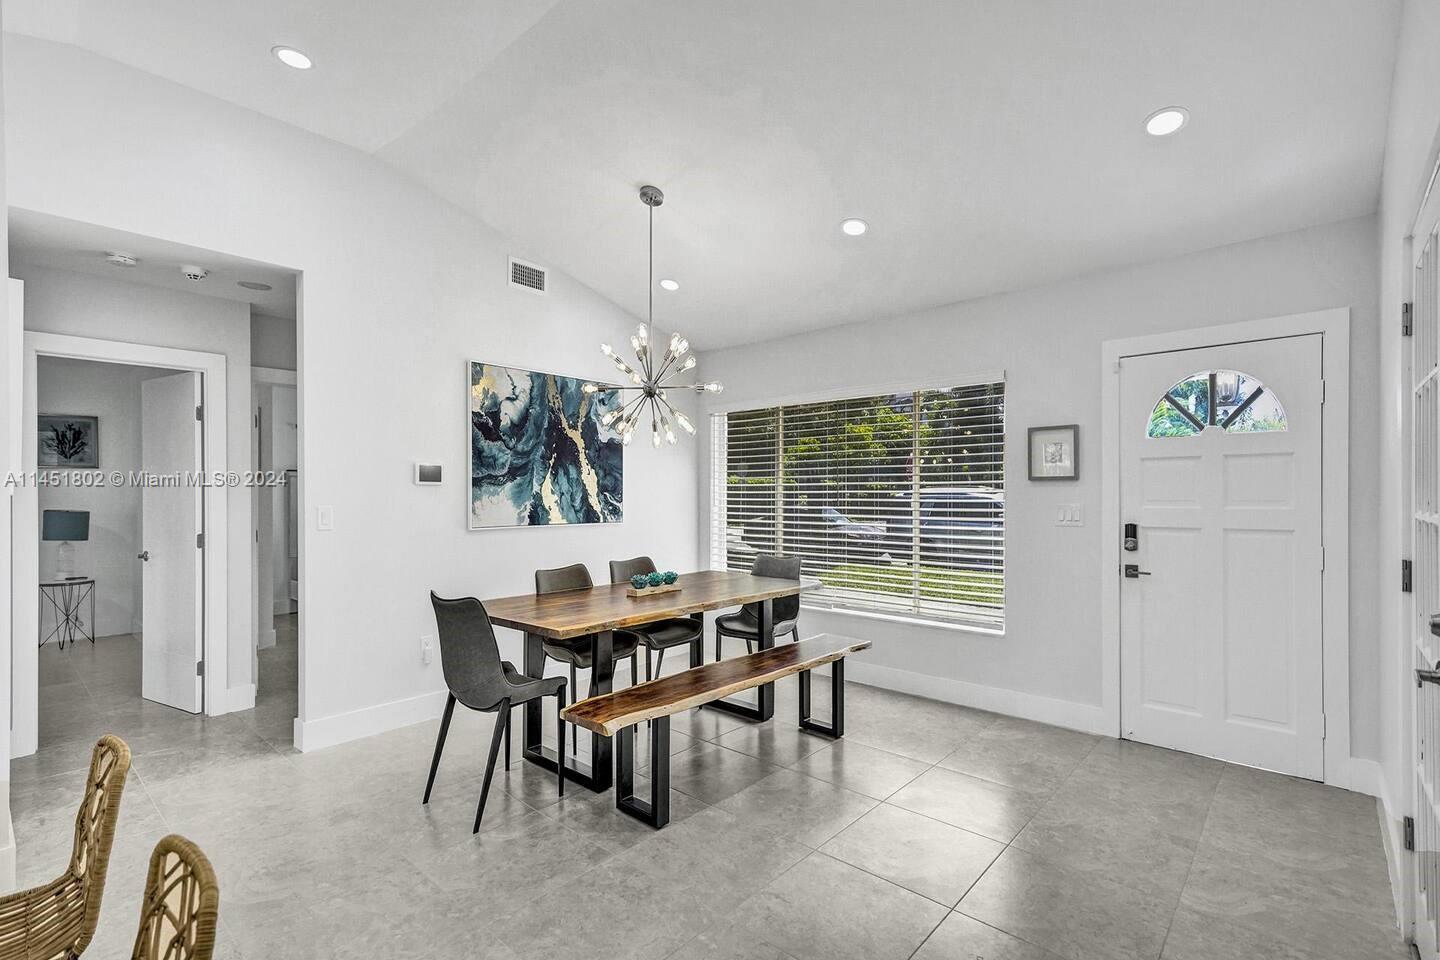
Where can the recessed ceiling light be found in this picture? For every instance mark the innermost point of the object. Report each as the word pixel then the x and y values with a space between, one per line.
pixel 292 57
pixel 253 285
pixel 1166 120
pixel 117 259
pixel 853 227
pixel 671 285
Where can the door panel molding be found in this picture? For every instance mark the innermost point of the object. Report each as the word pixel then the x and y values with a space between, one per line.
pixel 1334 326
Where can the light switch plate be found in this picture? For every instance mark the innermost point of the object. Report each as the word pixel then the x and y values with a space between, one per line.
pixel 324 518
pixel 1069 515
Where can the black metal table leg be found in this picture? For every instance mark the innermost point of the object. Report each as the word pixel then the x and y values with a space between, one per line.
pixel 597 774
pixel 655 811
pixel 697 646
pixel 836 727
pixel 764 707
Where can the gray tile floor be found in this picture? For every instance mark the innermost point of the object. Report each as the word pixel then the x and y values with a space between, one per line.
pixel 931 831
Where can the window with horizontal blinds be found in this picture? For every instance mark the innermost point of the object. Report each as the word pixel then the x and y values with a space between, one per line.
pixel 895 503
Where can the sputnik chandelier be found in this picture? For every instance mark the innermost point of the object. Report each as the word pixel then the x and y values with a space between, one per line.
pixel 651 377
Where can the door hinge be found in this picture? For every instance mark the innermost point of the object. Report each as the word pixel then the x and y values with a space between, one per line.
pixel 199 413
pixel 1409 833
pixel 1407 319
pixel 199 541
pixel 1322 393
pixel 200 668
pixel 1405 569
pixel 257 421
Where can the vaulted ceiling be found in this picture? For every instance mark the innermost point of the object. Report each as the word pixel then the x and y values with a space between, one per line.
pixel 991 144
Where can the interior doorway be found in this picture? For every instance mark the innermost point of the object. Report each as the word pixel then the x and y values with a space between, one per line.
pixel 1222 590
pixel 121 521
pixel 122 482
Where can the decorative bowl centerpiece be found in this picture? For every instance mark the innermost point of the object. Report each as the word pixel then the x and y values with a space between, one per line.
pixel 649 584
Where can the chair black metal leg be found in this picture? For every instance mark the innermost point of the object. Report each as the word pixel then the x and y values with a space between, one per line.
pixel 560 738
pixel 440 744
pixel 635 668
pixel 660 662
pixel 718 637
pixel 502 721
pixel 649 674
pixel 507 740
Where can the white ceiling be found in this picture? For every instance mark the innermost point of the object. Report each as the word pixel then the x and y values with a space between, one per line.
pixel 46 241
pixel 991 144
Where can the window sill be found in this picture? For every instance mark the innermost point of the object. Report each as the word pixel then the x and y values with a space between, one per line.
pixel 955 626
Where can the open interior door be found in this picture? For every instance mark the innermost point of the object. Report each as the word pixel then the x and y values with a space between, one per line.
pixel 171 525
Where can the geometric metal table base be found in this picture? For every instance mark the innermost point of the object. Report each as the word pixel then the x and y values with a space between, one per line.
pixel 64 598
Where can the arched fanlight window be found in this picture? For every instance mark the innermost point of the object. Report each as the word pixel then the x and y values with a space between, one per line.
pixel 1228 399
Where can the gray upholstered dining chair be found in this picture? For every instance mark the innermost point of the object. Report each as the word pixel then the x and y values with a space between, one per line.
pixel 480 680
pixel 661 635
pixel 745 624
pixel 576 650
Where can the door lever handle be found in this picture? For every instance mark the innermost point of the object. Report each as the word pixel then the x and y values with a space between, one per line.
pixel 1435 624
pixel 143 555
pixel 1133 571
pixel 1423 677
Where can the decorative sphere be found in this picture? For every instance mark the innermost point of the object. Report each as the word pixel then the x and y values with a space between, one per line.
pixel 655 579
pixel 671 576
pixel 639 581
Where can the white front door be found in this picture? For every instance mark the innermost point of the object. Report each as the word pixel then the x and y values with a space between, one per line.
pixel 1220 610
pixel 170 524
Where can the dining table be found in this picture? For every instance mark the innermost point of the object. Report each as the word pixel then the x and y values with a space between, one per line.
pixel 597 612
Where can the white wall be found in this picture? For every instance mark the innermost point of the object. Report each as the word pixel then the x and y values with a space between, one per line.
pixel 1047 341
pixel 272 342
pixel 1409 152
pixel 110 391
pixel 398 290
pixel 11 363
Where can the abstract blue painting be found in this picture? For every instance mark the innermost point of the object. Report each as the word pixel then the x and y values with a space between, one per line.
pixel 538 453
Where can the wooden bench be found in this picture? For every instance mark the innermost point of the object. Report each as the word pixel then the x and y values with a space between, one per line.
pixel 617 714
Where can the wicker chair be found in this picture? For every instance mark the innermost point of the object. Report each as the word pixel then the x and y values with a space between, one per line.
pixel 56 921
pixel 182 903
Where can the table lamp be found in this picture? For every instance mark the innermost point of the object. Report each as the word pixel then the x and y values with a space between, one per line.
pixel 65 526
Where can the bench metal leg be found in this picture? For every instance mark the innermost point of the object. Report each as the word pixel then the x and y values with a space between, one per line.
pixel 836 727
pixel 656 812
pixel 764 707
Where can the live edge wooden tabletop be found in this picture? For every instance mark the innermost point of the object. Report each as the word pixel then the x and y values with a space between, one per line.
pixel 610 713
pixel 575 613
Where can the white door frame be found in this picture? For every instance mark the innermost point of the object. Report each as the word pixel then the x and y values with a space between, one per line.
pixel 1334 325
pixel 26 570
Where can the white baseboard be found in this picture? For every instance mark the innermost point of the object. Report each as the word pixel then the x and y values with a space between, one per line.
pixel 368 721
pixel 1061 713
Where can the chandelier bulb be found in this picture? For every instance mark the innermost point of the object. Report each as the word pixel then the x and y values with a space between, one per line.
pixel 590 388
pixel 605 349
pixel 643 333
pixel 684 422
pixel 689 363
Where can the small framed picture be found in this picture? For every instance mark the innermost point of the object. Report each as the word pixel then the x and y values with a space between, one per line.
pixel 1055 452
pixel 69 440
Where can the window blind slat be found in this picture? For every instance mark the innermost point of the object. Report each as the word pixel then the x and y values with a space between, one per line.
pixel 894 502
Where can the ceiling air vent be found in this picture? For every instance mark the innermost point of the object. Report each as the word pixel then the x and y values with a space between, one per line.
pixel 530 276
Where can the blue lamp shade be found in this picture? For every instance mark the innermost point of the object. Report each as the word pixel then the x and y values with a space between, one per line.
pixel 65 525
